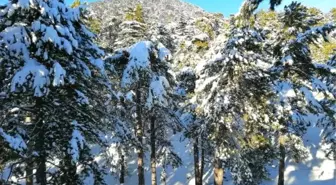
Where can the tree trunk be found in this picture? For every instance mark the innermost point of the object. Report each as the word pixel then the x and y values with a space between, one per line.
pixel 218 172
pixel 29 172
pixel 281 180
pixel 122 170
pixel 153 150
pixel 139 133
pixel 202 163
pixel 196 163
pixel 41 174
pixel 29 166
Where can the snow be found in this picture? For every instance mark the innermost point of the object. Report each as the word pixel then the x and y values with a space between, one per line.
pixel 51 35
pixel 86 70
pixel 327 67
pixel 157 92
pixel 129 96
pixel 99 63
pixel 15 142
pixel 186 119
pixel 33 74
pixel 164 53
pixel 59 74
pixel 89 180
pixel 201 37
pixel 285 90
pixel 139 61
pixel 310 99
pixel 205 83
pixel 15 39
pixel 288 60
pixel 16 109
pixel 77 142
pixel 81 98
pixel 315 170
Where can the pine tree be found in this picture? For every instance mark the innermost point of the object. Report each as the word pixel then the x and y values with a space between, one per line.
pixel 296 79
pixel 328 119
pixel 92 23
pixel 53 75
pixel 237 90
pixel 249 6
pixel 193 121
pixel 145 81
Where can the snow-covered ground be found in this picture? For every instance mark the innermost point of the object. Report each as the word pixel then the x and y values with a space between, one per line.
pixel 316 170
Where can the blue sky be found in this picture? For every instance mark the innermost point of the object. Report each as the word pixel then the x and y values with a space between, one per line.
pixel 228 7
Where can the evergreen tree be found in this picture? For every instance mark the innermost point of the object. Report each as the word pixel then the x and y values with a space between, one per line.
pixel 92 23
pixel 193 121
pixel 249 6
pixel 53 75
pixel 145 80
pixel 234 90
pixel 328 103
pixel 296 80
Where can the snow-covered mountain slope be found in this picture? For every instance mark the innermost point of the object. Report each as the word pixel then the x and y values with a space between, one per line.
pixel 186 30
pixel 154 10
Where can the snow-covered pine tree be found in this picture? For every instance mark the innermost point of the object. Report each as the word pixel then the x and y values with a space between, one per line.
pixel 132 29
pixel 234 89
pixel 161 105
pixel 330 127
pixel 53 81
pixel 329 104
pixel 296 80
pixel 145 81
pixel 195 129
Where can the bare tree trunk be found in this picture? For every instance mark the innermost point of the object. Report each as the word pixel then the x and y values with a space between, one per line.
pixel 153 150
pixel 281 180
pixel 218 172
pixel 41 174
pixel 202 163
pixel 196 162
pixel 139 133
pixel 122 170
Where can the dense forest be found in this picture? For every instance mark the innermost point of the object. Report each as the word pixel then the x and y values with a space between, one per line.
pixel 152 92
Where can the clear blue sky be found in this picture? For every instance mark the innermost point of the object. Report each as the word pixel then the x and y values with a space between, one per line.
pixel 228 7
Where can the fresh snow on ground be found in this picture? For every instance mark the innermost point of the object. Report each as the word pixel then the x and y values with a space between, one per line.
pixel 316 170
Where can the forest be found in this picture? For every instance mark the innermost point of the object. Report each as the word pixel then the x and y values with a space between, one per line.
pixel 161 92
